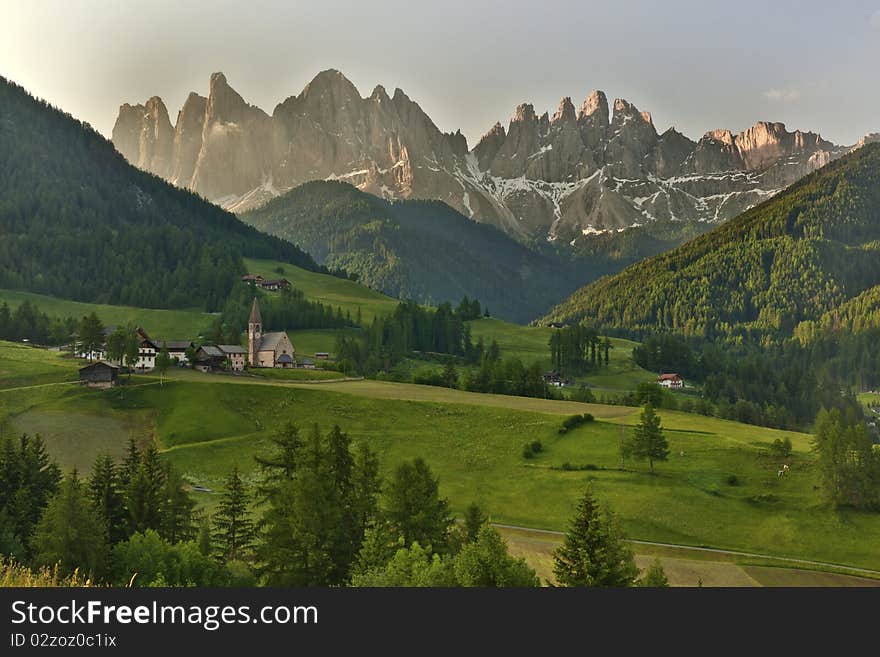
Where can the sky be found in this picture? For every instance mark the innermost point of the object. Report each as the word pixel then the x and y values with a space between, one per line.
pixel 696 66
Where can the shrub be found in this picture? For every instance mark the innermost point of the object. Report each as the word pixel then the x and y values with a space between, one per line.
pixel 574 421
pixel 536 446
pixel 732 480
pixel 527 451
pixel 781 448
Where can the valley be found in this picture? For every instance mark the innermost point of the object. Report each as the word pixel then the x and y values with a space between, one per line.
pixel 205 424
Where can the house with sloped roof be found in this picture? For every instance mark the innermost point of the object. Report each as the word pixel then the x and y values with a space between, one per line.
pixel 268 349
pixel 235 355
pixel 672 381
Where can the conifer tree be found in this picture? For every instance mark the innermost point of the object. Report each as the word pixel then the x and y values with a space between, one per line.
pixel 177 509
pixel 107 499
pixel 594 552
pixel 648 441
pixel 233 530
pixel 414 506
pixel 71 533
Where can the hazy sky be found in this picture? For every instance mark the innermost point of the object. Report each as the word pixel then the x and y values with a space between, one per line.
pixel 695 65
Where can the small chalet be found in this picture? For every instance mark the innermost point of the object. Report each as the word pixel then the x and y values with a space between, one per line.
pixel 322 355
pixel 555 379
pixel 306 364
pixel 99 375
pixel 236 355
pixel 253 279
pixel 176 348
pixel 275 285
pixel 671 381
pixel 147 351
pixel 209 358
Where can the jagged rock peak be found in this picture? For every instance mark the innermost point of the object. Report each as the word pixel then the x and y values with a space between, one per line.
pixel 623 110
pixel 596 105
pixel 723 135
pixel 379 94
pixel 565 112
pixel 524 112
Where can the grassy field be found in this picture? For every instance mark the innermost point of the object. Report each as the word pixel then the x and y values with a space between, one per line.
pixel 531 343
pixel 687 567
pixel 24 365
pixel 719 487
pixel 169 324
pixel 327 289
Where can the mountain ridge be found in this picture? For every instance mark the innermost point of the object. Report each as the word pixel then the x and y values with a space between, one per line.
pixel 419 249
pixel 597 169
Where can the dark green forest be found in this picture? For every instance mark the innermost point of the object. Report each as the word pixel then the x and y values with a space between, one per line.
pixel 421 250
pixel 79 222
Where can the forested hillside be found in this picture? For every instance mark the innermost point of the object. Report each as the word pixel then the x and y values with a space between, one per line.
pixel 77 221
pixel 421 250
pixel 798 257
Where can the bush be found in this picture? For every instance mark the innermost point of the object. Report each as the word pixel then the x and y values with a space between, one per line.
pixel 732 480
pixel 532 448
pixel 781 448
pixel 574 421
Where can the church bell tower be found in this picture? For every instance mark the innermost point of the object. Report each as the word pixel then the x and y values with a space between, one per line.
pixel 255 333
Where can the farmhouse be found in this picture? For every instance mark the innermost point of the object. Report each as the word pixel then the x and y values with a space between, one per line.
pixel 235 354
pixel 671 381
pixel 268 349
pixel 253 279
pixel 176 348
pixel 275 285
pixel 99 375
pixel 148 349
pixel 209 358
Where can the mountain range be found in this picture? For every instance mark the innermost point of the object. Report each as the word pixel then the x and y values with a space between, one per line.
pixel 560 178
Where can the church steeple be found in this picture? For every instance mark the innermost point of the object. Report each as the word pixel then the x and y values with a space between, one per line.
pixel 255 318
pixel 255 333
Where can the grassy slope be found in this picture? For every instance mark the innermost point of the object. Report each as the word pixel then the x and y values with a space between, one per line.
pixel 170 324
pixel 531 343
pixel 473 442
pixel 23 365
pixel 327 289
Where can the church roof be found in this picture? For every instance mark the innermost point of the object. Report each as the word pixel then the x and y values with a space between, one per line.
pixel 270 341
pixel 255 317
pixel 285 358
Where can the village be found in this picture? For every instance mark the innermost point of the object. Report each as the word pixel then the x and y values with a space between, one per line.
pixel 272 349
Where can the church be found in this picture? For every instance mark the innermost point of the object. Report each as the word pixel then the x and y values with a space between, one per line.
pixel 268 349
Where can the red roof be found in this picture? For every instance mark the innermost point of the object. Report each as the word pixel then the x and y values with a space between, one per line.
pixel 669 377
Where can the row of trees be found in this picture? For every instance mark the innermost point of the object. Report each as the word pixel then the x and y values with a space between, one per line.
pixel 578 348
pixel 409 329
pixel 101 524
pixel 27 322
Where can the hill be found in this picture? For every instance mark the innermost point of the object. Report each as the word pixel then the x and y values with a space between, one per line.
pixel 78 222
pixel 421 250
pixel 792 259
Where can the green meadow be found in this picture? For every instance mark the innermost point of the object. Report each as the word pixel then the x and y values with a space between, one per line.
pixel 169 324
pixel 719 487
pixel 329 290
pixel 531 344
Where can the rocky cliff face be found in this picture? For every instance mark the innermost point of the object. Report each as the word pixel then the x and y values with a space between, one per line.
pixel 577 172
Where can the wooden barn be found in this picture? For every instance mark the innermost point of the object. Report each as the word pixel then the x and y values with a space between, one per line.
pixel 99 375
